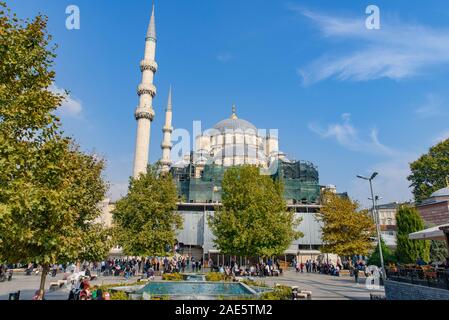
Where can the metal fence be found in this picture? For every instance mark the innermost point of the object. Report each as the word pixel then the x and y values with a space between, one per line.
pixel 422 276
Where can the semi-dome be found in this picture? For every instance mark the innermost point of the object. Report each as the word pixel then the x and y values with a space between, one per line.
pixel 234 123
pixel 441 193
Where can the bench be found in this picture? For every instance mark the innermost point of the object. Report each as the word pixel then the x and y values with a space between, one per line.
pixel 53 286
pixel 308 294
pixel 377 296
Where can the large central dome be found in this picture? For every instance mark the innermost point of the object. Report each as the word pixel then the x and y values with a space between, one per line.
pixel 234 142
pixel 234 123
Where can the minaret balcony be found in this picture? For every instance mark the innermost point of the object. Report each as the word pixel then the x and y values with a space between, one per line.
pixel 147 89
pixel 144 113
pixel 165 163
pixel 166 145
pixel 148 65
pixel 167 129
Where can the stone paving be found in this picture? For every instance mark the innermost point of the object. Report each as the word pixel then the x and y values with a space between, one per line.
pixel 323 287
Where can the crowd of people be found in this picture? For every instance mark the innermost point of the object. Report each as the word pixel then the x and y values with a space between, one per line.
pixel 262 269
pixel 313 266
pixel 329 268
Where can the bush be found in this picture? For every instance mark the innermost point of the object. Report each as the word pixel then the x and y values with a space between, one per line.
pixel 172 277
pixel 215 277
pixel 254 283
pixel 279 293
pixel 119 295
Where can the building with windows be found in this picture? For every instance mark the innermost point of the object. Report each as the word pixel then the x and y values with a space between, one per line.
pixel 387 220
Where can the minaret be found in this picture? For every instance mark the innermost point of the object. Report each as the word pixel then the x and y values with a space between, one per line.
pixel 167 130
pixel 147 91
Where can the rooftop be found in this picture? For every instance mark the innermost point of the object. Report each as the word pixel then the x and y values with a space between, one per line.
pixel 441 193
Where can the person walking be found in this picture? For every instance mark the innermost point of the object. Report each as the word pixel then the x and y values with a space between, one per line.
pixel 210 263
pixel 356 274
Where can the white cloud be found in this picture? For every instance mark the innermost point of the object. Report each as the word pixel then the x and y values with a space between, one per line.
pixel 71 107
pixel 348 136
pixel 391 184
pixel 396 51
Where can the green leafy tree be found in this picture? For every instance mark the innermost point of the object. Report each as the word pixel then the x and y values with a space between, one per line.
pixel 146 220
pixel 430 171
pixel 438 248
pixel 254 220
pixel 49 189
pixel 346 230
pixel 388 255
pixel 438 251
pixel 408 251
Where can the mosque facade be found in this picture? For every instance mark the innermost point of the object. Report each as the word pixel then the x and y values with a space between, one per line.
pixel 198 176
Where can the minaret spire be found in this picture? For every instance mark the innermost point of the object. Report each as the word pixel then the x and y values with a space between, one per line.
pixel 167 131
pixel 152 26
pixel 146 91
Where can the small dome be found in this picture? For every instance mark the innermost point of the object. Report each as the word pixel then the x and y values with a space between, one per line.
pixel 441 193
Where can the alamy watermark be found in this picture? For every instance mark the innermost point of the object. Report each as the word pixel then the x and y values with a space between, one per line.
pixel 373 279
pixel 73 21
pixel 373 20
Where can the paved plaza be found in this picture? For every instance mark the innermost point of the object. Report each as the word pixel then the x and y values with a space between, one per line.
pixel 323 287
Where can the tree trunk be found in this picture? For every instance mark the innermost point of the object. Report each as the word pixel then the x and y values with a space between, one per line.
pixel 42 285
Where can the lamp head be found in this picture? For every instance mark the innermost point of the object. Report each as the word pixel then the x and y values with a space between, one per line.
pixel 375 174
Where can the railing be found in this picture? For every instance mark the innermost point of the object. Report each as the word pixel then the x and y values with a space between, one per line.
pixel 422 276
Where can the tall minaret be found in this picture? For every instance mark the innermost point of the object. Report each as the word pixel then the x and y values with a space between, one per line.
pixel 146 91
pixel 167 130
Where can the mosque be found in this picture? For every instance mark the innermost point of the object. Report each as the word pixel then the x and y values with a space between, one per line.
pixel 198 176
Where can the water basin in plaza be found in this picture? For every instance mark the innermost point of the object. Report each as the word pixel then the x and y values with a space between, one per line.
pixel 188 290
pixel 196 289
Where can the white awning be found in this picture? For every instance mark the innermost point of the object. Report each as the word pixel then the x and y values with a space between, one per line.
pixel 291 252
pixel 434 233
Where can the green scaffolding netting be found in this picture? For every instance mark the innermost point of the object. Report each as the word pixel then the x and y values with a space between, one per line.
pixel 301 182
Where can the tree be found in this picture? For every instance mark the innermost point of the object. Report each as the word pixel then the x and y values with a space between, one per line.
pixel 253 220
pixel 388 255
pixel 49 189
pixel 409 221
pixel 430 171
pixel 146 220
pixel 438 251
pixel 438 248
pixel 346 230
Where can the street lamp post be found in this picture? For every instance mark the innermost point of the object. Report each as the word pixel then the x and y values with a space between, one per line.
pixel 376 220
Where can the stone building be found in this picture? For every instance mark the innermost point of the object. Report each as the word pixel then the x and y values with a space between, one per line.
pixel 233 142
pixel 387 220
pixel 435 210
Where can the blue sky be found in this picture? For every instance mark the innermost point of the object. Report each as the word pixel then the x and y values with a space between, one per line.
pixel 349 99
